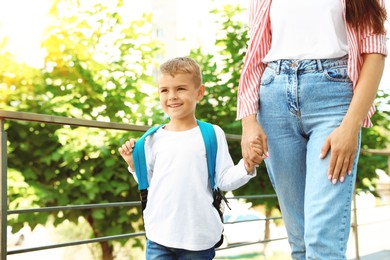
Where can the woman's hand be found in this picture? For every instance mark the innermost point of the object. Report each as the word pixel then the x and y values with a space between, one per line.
pixel 342 143
pixel 254 146
pixel 126 151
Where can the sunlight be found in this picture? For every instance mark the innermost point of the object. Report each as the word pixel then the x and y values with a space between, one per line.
pixel 22 23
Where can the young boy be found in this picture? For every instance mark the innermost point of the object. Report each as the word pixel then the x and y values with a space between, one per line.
pixel 180 220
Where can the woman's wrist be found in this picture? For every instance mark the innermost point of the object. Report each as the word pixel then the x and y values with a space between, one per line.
pixel 248 121
pixel 353 124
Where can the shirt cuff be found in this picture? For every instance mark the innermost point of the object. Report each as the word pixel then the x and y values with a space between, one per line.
pixel 130 170
pixel 133 173
pixel 251 174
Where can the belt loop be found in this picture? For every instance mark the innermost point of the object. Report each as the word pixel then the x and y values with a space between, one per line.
pixel 319 65
pixel 279 64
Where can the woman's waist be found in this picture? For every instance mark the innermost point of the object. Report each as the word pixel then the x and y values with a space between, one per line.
pixel 307 65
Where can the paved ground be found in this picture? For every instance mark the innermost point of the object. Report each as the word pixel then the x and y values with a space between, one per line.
pixel 374 240
pixel 383 255
pixel 374 234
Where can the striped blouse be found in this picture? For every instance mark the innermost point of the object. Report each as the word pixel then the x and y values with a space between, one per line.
pixel 359 42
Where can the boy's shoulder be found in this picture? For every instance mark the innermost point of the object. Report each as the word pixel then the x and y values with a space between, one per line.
pixel 218 130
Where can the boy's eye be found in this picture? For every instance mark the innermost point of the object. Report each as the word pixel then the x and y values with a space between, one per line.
pixel 163 90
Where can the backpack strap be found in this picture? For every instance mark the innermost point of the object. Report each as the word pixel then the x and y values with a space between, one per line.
pixel 140 160
pixel 210 142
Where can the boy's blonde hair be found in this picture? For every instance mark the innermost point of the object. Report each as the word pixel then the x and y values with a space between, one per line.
pixel 182 65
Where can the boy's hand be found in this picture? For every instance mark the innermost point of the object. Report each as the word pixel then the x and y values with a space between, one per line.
pixel 126 151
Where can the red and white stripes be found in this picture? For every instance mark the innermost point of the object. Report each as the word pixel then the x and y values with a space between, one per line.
pixel 260 43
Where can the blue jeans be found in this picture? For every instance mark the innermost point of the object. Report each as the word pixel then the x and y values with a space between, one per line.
pixel 156 251
pixel 301 103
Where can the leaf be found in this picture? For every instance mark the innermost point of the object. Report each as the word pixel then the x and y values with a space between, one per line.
pixel 98 214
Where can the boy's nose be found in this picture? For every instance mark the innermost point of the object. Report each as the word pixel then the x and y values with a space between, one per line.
pixel 172 97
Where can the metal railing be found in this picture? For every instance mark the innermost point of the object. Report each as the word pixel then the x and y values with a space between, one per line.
pixel 64 121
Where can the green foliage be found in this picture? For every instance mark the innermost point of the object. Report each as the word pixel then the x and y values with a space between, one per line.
pixel 221 70
pixel 97 67
pixel 376 137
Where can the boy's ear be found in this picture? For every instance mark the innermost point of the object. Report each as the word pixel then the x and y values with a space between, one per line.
pixel 201 91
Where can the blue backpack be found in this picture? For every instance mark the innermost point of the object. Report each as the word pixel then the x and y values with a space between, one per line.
pixel 210 142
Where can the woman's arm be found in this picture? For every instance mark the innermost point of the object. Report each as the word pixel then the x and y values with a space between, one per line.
pixel 342 142
pixel 248 90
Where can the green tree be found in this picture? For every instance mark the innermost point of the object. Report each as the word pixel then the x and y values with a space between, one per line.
pixel 376 137
pixel 97 67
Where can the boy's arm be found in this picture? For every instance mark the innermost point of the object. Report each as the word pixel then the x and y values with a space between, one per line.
pixel 126 151
pixel 229 176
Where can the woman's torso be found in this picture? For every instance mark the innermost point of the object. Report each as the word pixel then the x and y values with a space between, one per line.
pixel 307 29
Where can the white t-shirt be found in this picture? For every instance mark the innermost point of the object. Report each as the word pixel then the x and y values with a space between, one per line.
pixel 179 211
pixel 307 29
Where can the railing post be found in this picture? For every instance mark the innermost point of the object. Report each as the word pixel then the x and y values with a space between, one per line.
pixel 355 226
pixel 3 191
pixel 388 165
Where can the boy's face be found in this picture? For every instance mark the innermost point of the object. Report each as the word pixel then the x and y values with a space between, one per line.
pixel 179 95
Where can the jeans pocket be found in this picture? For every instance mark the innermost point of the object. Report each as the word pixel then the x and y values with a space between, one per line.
pixel 337 74
pixel 267 77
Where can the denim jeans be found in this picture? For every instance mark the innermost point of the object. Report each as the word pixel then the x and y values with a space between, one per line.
pixel 301 103
pixel 156 251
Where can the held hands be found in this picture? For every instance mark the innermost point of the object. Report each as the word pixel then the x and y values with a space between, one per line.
pixel 342 143
pixel 256 148
pixel 126 151
pixel 253 143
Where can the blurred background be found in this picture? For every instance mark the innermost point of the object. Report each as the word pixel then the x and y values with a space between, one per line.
pixel 97 60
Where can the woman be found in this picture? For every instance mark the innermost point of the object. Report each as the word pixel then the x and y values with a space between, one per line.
pixel 309 79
